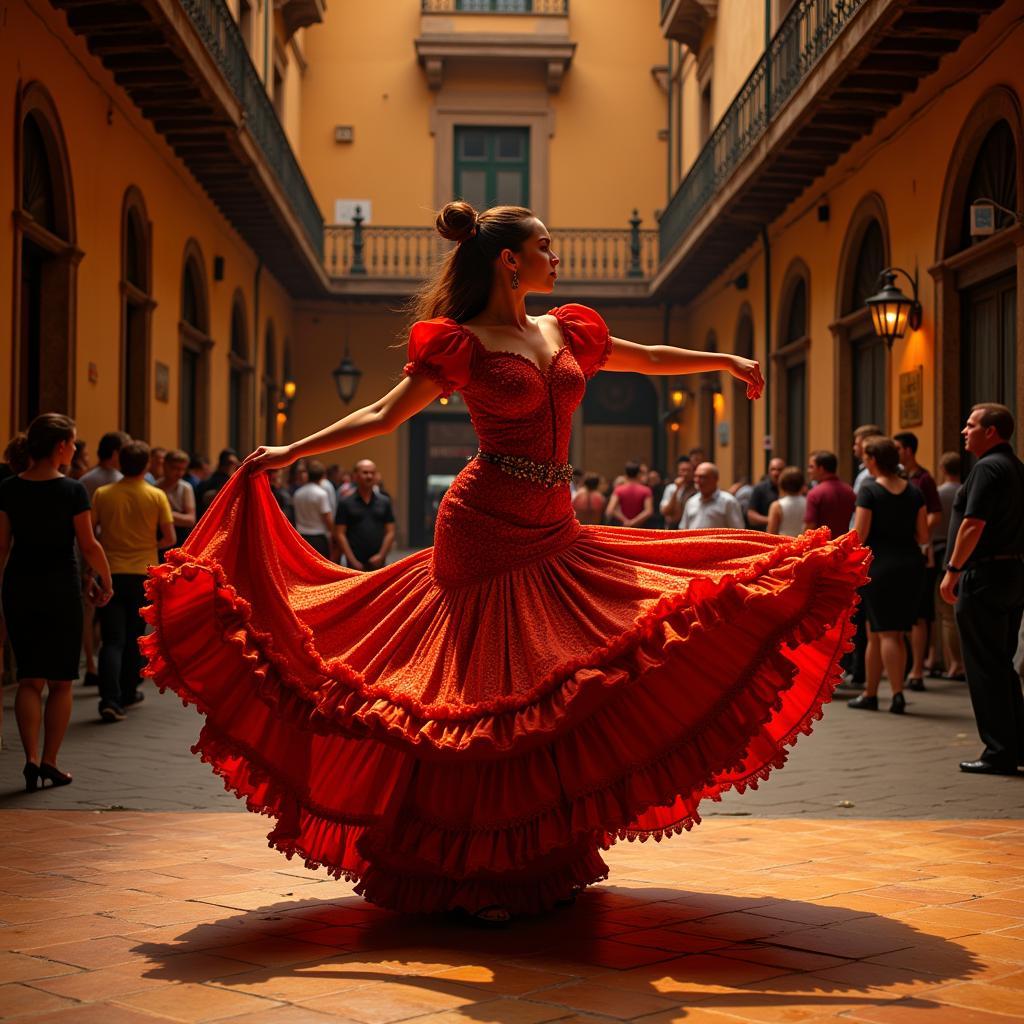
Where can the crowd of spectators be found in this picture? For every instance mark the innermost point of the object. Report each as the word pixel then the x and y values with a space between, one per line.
pixel 77 539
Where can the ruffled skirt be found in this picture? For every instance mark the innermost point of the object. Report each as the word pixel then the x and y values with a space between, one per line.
pixel 463 745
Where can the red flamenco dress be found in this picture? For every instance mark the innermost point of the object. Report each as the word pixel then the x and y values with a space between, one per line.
pixel 473 724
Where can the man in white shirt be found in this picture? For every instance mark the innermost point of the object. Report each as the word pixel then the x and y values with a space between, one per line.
pixel 711 507
pixel 677 493
pixel 313 517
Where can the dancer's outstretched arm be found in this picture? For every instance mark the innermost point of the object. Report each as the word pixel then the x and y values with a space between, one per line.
pixel 667 360
pixel 403 401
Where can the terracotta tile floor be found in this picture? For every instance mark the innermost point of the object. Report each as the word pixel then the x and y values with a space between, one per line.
pixel 143 916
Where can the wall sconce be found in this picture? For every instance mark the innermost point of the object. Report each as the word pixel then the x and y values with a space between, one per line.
pixel 891 311
pixel 346 377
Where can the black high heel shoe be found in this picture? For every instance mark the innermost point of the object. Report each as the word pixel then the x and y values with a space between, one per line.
pixel 31 773
pixel 49 773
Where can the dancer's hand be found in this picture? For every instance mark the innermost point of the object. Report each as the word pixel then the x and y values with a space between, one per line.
pixel 748 371
pixel 268 457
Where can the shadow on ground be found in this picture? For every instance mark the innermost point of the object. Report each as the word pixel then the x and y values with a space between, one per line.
pixel 640 949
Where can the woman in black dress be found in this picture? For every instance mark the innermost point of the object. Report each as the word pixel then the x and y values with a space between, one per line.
pixel 42 514
pixel 892 521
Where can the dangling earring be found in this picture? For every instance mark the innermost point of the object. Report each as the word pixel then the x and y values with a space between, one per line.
pixel 515 279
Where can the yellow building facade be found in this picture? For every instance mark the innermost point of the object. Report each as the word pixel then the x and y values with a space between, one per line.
pixel 812 150
pixel 210 200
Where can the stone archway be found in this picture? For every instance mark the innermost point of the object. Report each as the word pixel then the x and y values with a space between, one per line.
pixel 46 263
pixel 137 305
pixel 862 384
pixel 790 357
pixel 977 280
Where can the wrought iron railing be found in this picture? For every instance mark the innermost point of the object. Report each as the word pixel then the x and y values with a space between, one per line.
pixel 807 32
pixel 498 6
pixel 586 254
pixel 220 34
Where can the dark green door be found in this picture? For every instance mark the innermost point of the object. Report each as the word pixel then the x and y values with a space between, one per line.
pixel 492 166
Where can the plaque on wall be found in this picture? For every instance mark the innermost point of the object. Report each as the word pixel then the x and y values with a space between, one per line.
pixel 162 382
pixel 912 397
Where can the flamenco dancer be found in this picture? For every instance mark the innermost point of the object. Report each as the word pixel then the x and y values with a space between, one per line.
pixel 468 728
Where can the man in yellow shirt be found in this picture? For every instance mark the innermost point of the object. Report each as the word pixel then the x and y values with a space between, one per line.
pixel 132 519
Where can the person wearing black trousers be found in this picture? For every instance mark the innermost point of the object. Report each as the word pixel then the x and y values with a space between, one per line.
pixel 985 579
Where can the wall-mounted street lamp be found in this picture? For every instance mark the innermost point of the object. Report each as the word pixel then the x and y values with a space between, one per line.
pixel 284 407
pixel 346 377
pixel 891 311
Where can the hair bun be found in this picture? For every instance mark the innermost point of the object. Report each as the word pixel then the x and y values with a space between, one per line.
pixel 457 221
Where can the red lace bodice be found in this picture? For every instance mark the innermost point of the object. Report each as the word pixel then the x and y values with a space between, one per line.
pixel 516 406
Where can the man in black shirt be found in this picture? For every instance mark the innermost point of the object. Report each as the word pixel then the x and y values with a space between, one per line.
pixel 364 523
pixel 985 579
pixel 227 463
pixel 765 491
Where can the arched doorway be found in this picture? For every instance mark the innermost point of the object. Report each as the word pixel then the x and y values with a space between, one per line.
pixel 271 388
pixel 980 317
pixel 620 423
pixel 136 310
pixel 710 386
pixel 239 380
pixel 195 345
pixel 47 263
pixel 742 419
pixel 791 366
pixel 862 357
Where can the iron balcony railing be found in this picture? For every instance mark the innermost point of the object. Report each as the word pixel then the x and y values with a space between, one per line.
pixel 807 32
pixel 586 254
pixel 220 34
pixel 497 6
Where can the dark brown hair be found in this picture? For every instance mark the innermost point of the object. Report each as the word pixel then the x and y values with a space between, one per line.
pixel 825 460
pixel 460 288
pixel 134 458
pixel 995 415
pixel 885 453
pixel 45 432
pixel 791 480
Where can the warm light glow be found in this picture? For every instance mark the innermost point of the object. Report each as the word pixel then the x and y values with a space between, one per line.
pixel 677 398
pixel 282 418
pixel 719 404
pixel 443 400
pixel 289 389
pixel 674 427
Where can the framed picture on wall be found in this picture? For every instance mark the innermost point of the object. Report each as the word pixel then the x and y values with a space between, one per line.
pixel 162 382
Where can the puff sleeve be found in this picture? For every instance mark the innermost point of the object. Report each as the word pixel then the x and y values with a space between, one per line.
pixel 441 350
pixel 586 334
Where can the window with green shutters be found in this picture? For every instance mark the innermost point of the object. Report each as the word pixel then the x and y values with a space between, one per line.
pixel 492 166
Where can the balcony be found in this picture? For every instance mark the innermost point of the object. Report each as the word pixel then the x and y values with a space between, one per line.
pixel 386 260
pixel 686 20
pixel 300 14
pixel 531 35
pixel 186 67
pixel 832 70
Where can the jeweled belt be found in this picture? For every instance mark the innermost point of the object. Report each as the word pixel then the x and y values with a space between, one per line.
pixel 547 474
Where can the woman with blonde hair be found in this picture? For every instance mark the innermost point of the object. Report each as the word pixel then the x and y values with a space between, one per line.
pixel 468 727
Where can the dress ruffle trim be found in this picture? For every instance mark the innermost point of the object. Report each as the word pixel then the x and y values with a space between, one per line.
pixel 345 701
pixel 640 799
